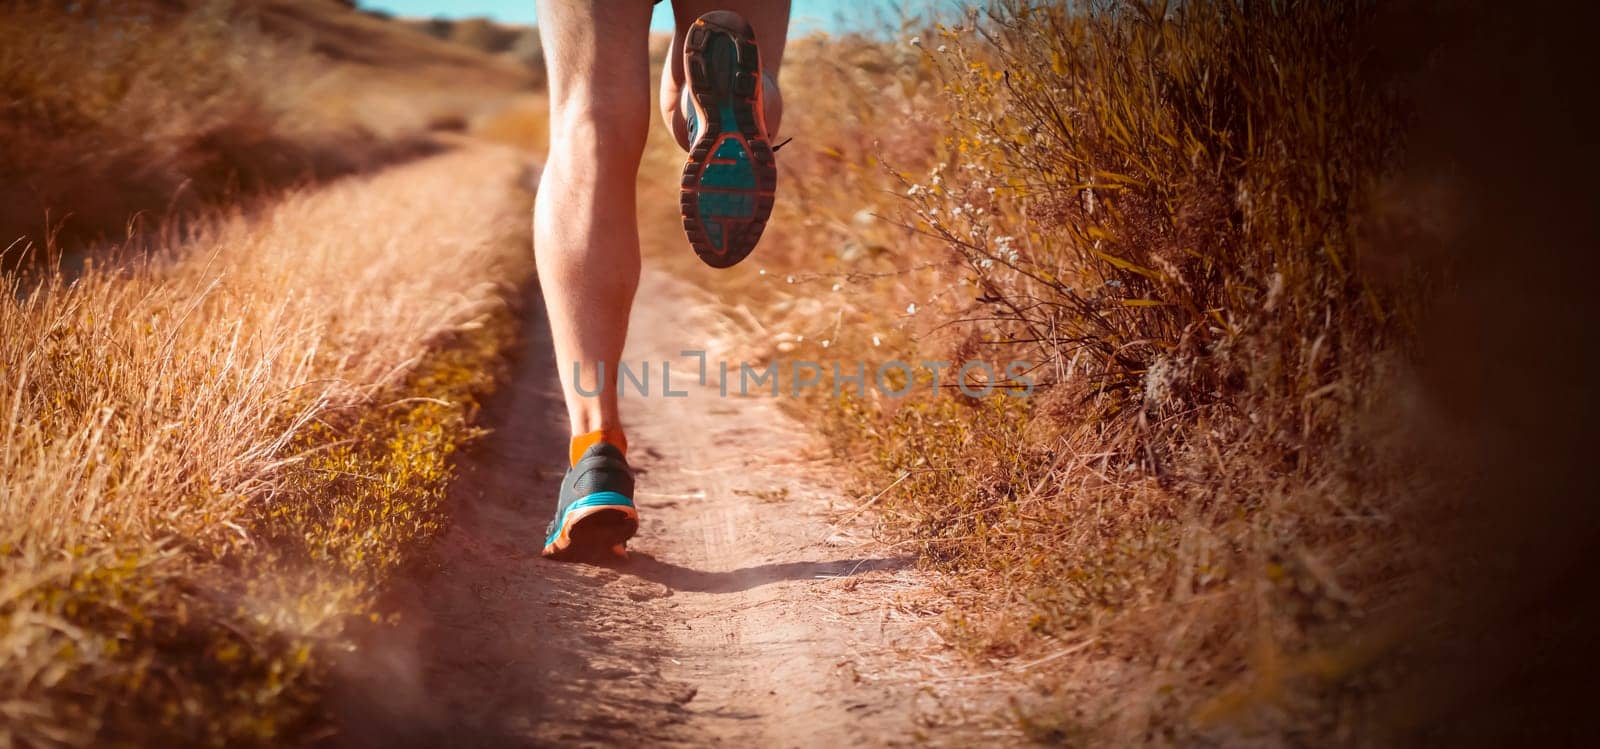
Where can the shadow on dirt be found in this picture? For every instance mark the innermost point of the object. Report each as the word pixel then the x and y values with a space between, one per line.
pixel 683 579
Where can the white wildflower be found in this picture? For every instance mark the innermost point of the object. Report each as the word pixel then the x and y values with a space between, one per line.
pixel 1006 244
pixel 1158 382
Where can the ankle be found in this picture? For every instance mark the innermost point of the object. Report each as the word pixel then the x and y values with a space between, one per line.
pixel 581 443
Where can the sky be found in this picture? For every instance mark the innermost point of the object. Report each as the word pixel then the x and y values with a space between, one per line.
pixel 806 16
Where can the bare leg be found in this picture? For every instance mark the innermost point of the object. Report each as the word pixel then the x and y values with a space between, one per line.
pixel 586 235
pixel 770 19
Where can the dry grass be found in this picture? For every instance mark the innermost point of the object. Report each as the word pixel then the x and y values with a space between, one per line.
pixel 1169 210
pixel 223 436
pixel 215 452
pixel 523 123
pixel 116 114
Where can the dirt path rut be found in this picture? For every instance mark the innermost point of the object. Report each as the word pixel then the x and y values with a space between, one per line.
pixel 744 616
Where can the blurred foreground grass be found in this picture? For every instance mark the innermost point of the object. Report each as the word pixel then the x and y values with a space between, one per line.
pixel 217 452
pixel 221 436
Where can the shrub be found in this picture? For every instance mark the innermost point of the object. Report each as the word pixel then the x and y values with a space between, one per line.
pixel 1168 209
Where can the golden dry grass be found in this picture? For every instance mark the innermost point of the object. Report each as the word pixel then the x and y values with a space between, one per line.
pixel 1199 520
pixel 215 450
pixel 223 435
pixel 523 123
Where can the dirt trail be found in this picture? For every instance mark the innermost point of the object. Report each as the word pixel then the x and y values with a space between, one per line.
pixel 743 617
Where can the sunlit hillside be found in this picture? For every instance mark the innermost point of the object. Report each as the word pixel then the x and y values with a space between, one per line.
pixel 121 112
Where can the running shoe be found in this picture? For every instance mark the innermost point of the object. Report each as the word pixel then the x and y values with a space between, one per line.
pixel 595 515
pixel 730 176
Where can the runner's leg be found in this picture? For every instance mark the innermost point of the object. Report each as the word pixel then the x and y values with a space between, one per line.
pixel 586 236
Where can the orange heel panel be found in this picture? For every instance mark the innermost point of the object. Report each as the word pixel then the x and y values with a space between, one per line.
pixel 581 443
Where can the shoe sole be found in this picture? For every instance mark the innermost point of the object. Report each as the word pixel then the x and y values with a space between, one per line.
pixel 730 176
pixel 593 532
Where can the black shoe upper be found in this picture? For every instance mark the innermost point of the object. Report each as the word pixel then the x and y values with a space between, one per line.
pixel 601 469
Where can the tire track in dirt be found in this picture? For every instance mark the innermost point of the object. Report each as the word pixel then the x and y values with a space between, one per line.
pixel 741 618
